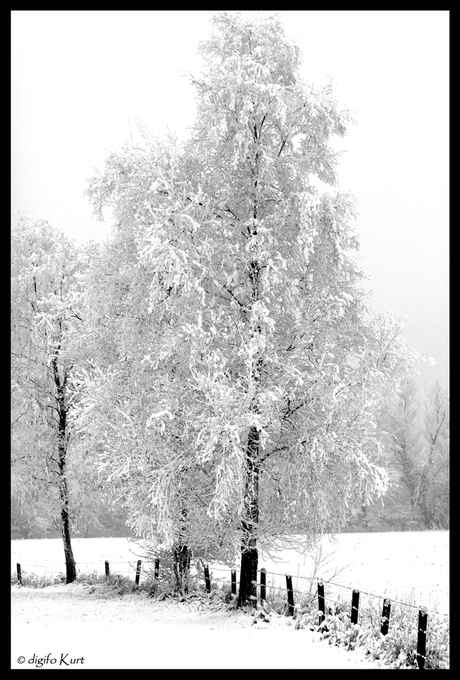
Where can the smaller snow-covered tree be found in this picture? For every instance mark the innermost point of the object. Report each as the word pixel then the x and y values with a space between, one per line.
pixel 44 319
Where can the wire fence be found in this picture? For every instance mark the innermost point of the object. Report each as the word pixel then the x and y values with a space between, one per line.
pixel 21 571
pixel 312 580
pixel 371 610
pixel 126 567
pixel 308 593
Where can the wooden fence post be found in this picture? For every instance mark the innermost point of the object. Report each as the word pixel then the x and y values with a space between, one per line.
pixel 206 578
pixel 233 573
pixel 138 571
pixel 18 572
pixel 321 604
pixel 156 573
pixel 263 584
pixel 107 569
pixel 421 637
pixel 385 616
pixel 290 595
pixel 354 606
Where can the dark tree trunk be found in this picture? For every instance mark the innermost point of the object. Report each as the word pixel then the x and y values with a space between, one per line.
pixel 71 570
pixel 248 576
pixel 181 556
pixel 249 554
pixel 249 525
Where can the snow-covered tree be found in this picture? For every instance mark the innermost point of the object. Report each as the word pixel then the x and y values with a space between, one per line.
pixel 44 268
pixel 246 323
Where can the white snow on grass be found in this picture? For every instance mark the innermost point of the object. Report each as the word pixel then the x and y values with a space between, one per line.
pixel 133 631
pixel 97 629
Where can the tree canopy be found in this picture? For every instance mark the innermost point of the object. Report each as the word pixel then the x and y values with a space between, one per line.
pixel 242 399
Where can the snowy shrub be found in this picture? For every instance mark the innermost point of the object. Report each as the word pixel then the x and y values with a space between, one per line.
pixel 397 649
pixel 32 580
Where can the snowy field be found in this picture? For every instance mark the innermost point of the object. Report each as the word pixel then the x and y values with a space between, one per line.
pixel 133 631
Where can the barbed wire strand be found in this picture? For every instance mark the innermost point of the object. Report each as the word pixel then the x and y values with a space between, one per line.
pixel 338 585
pixel 267 573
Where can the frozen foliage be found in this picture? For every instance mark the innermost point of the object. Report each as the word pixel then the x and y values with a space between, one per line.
pixel 235 373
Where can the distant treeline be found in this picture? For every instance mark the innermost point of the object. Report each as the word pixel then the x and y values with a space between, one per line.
pixel 396 514
pixel 103 523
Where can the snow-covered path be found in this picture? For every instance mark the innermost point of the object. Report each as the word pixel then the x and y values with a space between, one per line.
pixel 82 626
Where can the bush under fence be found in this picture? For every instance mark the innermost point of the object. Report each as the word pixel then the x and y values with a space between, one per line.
pixel 333 615
pixel 353 615
pixel 35 572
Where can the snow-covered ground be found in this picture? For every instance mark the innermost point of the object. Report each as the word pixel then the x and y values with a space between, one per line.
pixel 92 627
pixel 134 631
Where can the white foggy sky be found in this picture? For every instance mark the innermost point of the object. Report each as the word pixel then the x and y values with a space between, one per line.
pixel 80 79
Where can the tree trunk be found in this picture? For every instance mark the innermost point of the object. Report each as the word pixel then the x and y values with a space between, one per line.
pixel 71 570
pixel 424 503
pixel 249 554
pixel 181 556
pixel 248 575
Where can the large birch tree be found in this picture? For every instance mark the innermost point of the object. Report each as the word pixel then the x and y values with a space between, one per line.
pixel 260 364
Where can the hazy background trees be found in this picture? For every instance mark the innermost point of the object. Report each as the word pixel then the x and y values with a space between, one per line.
pixel 415 425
